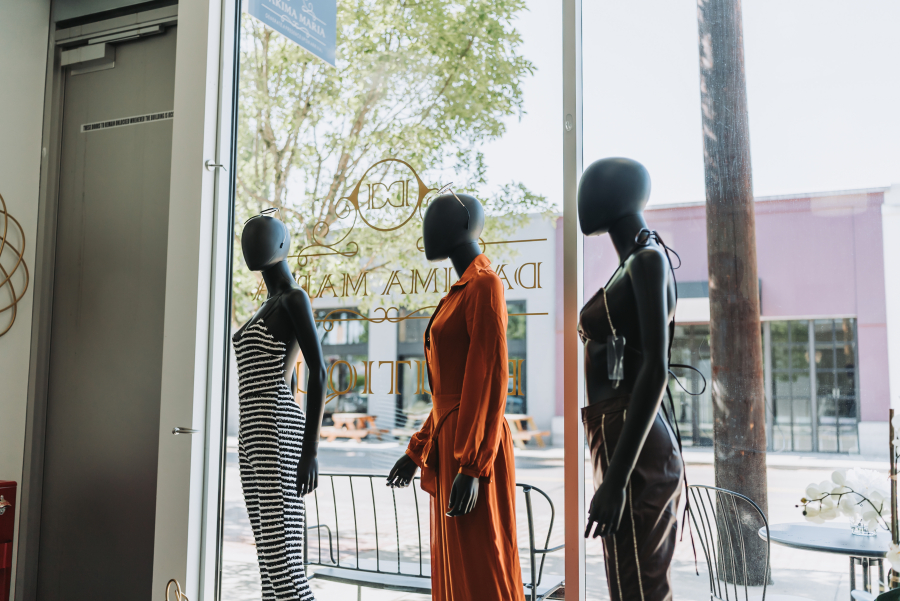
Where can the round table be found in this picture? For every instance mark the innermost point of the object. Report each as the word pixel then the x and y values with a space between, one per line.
pixel 864 550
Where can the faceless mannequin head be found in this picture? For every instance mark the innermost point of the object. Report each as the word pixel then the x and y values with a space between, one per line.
pixel 265 241
pixel 609 190
pixel 444 225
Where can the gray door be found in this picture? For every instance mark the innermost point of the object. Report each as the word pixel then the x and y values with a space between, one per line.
pixel 100 464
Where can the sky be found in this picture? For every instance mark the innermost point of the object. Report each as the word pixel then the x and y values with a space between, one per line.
pixel 823 86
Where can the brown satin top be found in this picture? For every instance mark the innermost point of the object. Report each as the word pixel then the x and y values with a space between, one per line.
pixel 593 328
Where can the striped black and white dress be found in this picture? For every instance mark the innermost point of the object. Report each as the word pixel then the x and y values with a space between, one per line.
pixel 269 444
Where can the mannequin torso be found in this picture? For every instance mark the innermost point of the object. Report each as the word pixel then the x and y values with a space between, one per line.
pixel 277 312
pixel 622 305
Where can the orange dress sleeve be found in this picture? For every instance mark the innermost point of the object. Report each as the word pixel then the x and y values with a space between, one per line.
pixel 483 400
pixel 418 444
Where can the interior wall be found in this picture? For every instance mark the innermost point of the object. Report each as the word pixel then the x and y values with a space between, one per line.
pixel 64 10
pixel 24 27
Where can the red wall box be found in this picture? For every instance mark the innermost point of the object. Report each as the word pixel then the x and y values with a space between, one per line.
pixel 7 521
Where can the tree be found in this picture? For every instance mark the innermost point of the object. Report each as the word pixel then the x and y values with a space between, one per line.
pixel 426 82
pixel 738 390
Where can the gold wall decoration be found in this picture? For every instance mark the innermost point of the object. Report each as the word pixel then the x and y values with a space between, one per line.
pixel 328 321
pixel 11 259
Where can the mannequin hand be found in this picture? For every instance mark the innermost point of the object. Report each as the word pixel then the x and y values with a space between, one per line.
pixel 606 510
pixel 402 473
pixel 307 475
pixel 463 495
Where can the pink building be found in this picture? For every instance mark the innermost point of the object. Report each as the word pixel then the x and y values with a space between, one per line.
pixel 823 304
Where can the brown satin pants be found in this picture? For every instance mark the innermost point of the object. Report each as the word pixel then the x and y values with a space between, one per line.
pixel 638 558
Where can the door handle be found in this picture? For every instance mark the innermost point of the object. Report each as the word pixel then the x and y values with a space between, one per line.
pixel 176 431
pixel 210 165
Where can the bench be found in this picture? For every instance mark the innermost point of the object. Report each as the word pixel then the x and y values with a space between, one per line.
pixel 523 430
pixel 414 421
pixel 332 433
pixel 351 425
pixel 363 533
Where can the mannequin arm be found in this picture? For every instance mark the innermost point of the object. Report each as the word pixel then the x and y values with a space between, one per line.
pixel 418 443
pixel 300 310
pixel 483 400
pixel 649 278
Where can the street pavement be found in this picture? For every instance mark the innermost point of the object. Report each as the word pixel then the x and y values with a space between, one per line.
pixel 814 576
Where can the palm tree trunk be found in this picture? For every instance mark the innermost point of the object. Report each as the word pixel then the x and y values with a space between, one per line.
pixel 738 390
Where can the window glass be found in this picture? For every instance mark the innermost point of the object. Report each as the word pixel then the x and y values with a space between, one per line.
pixel 693 411
pixel 817 169
pixel 345 326
pixel 422 96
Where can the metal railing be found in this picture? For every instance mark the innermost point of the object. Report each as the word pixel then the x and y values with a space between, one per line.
pixel 349 504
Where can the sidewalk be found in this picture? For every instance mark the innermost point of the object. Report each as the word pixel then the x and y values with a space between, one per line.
pixel 704 455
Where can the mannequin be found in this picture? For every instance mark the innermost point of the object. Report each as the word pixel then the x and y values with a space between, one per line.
pixel 465 446
pixel 637 466
pixel 460 245
pixel 277 444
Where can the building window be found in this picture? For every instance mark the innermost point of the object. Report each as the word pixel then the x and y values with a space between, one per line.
pixel 516 340
pixel 345 348
pixel 790 386
pixel 790 382
pixel 814 404
pixel 693 413
pixel 836 390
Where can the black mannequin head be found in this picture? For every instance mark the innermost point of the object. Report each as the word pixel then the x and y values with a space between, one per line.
pixel 265 241
pixel 611 189
pixel 444 225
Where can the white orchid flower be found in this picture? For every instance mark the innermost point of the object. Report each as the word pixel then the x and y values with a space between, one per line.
pixel 893 555
pixel 813 492
pixel 839 477
pixel 847 506
pixel 828 514
pixel 877 500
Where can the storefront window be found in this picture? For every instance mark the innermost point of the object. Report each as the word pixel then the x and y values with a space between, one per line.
pixel 422 96
pixel 777 138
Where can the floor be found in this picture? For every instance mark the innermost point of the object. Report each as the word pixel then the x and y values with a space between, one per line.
pixel 808 575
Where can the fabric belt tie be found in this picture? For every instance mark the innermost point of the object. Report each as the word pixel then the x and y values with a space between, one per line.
pixel 444 406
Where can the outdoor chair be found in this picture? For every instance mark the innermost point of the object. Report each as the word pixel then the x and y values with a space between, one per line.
pixel 717 516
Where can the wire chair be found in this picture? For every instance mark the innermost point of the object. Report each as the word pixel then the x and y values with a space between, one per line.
pixel 724 522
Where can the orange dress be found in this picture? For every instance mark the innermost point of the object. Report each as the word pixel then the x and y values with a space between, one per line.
pixel 474 557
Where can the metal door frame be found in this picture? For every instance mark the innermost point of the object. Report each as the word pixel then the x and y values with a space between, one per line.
pixel 573 294
pixel 197 296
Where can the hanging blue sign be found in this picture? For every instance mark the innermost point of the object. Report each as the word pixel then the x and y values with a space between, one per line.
pixel 312 24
